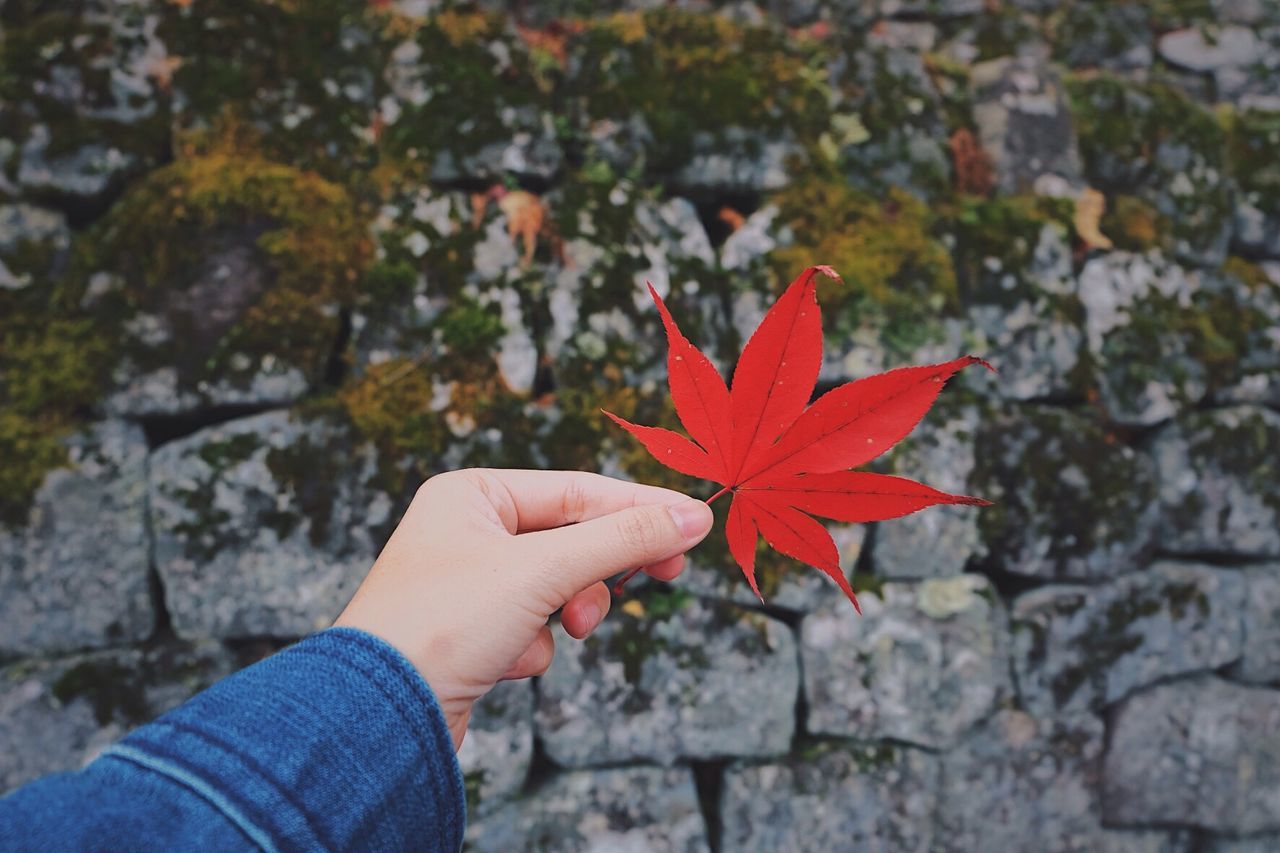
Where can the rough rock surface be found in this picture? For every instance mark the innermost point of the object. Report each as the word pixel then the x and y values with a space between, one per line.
pixel 923 664
pixel 1019 777
pixel 938 543
pixel 863 796
pixel 90 107
pixel 60 589
pixel 637 808
pixel 1024 314
pixel 1083 647
pixel 1023 122
pixel 1220 482
pixel 672 678
pixel 1142 303
pixel 1200 752
pixel 33 244
pixel 263 526
pixel 57 715
pixel 496 753
pixel 1032 463
pixel 425 228
pixel 1260 658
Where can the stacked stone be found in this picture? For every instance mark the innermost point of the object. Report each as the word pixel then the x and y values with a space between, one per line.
pixel 1092 663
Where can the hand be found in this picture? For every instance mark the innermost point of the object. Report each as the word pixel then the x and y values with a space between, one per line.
pixel 483 557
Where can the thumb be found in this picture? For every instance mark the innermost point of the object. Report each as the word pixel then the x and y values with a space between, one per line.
pixel 573 557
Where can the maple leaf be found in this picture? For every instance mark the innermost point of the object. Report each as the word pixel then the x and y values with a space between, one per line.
pixel 783 460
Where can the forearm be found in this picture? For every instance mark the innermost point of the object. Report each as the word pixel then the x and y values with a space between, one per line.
pixel 333 743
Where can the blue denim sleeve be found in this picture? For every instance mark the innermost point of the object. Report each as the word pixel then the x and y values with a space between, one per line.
pixel 335 743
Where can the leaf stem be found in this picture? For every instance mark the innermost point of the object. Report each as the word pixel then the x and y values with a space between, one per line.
pixel 622 581
pixel 617 587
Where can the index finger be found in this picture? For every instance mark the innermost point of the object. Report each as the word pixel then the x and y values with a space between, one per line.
pixel 539 500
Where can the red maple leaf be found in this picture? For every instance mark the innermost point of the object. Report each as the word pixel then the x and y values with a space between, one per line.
pixel 783 460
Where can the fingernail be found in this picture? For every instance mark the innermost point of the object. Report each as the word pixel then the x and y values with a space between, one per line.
pixel 591 615
pixel 692 517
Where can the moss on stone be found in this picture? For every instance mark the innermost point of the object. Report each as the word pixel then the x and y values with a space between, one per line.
pixel 1084 32
pixel 639 634
pixel 995 239
pixel 1194 347
pixel 1241 445
pixel 1126 122
pixel 305 75
pixel 684 73
pixel 473 784
pixel 1022 459
pixel 113 691
pixel 1153 141
pixel 1254 140
pixel 1002 31
pixel 305 232
pixel 894 270
pixel 44 46
pixel 476 74
pixel 391 405
pixel 52 368
pixel 469 328
pixel 906 108
pixel 1135 225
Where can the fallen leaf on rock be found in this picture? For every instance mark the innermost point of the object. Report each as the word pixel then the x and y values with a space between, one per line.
pixel 973 170
pixel 731 217
pixel 783 460
pixel 524 212
pixel 1090 205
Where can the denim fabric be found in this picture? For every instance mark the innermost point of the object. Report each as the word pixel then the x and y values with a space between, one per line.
pixel 335 743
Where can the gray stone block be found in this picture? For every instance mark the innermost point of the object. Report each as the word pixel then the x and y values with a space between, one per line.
pixel 1200 752
pixel 668 677
pixel 923 664
pixel 634 808
pixel 872 797
pixel 1080 647
pixel 75 576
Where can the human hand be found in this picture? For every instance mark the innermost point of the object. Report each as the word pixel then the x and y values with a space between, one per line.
pixel 483 557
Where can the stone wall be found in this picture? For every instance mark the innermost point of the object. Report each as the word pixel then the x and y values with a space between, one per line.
pixel 264 267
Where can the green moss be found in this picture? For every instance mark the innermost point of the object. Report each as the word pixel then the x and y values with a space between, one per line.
pixel 1002 233
pixel 221 455
pixel 1106 643
pixel 903 117
pixel 1153 141
pixel 1177 14
pixel 1001 31
pixel 43 47
pixel 1192 346
pixel 686 73
pixel 1084 31
pixel 473 783
pixel 391 406
pixel 639 634
pixel 895 272
pixel 1240 445
pixel 305 232
pixel 53 362
pixel 469 328
pixel 475 75
pixel 1135 225
pixel 113 691
pixel 1255 138
pixel 305 74
pixel 1021 457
